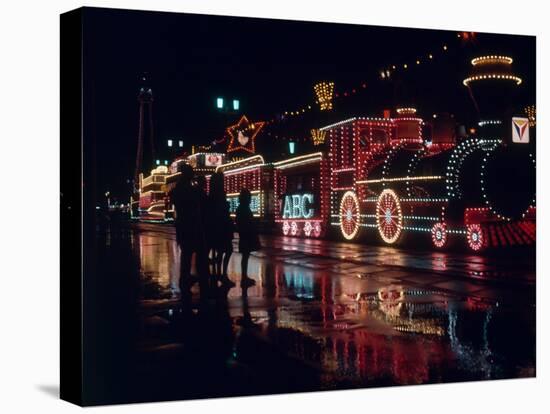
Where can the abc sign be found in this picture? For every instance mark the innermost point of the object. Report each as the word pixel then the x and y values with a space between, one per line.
pixel 298 206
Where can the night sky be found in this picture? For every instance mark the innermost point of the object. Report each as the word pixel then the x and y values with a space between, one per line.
pixel 271 67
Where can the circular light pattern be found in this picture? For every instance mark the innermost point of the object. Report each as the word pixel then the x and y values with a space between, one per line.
pixel 474 235
pixel 389 218
pixel 286 228
pixel 439 234
pixel 349 215
pixel 294 228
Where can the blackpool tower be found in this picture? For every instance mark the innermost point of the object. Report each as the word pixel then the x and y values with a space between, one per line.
pixel 145 99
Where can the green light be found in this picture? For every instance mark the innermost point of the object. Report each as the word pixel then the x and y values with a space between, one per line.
pixel 219 103
pixel 236 104
pixel 165 162
pixel 158 162
pixel 292 147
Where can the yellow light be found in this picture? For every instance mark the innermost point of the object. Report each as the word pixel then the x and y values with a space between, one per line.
pixel 324 92
pixel 470 79
pixel 492 59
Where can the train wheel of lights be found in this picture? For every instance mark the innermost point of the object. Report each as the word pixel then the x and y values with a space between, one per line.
pixel 294 228
pixel 439 234
pixel 286 228
pixel 475 237
pixel 317 229
pixel 389 218
pixel 349 215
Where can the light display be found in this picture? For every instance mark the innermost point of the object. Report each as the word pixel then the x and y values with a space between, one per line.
pixel 531 112
pixel 286 228
pixel 489 122
pixel 324 92
pixel 376 183
pixel 492 60
pixel 301 188
pixel 475 237
pixel 406 111
pixel 439 234
pixel 349 215
pixel 502 76
pixel 318 137
pixel 389 216
pixel 243 135
pixel 298 206
pixel 255 203
pixel 377 174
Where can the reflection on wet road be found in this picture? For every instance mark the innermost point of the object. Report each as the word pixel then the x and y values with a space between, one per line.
pixel 325 315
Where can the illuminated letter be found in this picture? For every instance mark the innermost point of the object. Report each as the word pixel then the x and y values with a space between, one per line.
pixel 286 208
pixel 296 206
pixel 307 212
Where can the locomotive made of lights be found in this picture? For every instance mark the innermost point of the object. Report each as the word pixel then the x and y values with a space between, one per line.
pixel 388 179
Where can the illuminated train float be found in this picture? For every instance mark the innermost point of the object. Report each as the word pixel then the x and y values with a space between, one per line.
pixel 389 178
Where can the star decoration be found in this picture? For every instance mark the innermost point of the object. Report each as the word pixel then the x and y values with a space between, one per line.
pixel 243 135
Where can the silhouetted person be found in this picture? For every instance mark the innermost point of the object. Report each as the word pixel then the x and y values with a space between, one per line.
pixel 248 235
pixel 201 259
pixel 189 206
pixel 221 228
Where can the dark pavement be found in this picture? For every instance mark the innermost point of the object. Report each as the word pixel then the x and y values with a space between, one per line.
pixel 323 315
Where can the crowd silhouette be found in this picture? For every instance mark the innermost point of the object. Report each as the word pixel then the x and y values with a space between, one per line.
pixel 205 231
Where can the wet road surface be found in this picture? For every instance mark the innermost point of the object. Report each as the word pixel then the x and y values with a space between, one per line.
pixel 323 315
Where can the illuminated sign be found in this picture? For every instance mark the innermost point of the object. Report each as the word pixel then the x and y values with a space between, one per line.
pixel 233 201
pixel 298 206
pixel 212 160
pixel 520 130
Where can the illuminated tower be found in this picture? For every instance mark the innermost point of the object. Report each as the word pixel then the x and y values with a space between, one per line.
pixel 145 99
pixel 493 88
